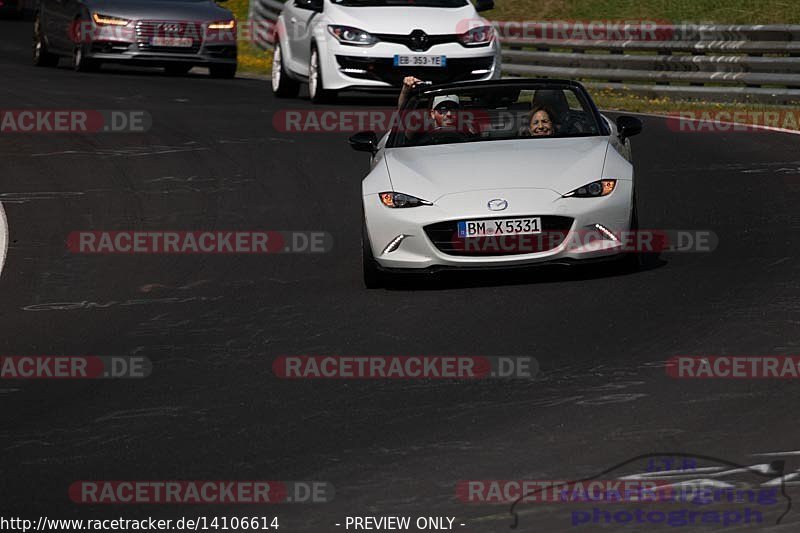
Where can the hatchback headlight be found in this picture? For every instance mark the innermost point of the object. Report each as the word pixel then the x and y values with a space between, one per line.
pixel 480 36
pixel 398 199
pixel 107 20
pixel 593 190
pixel 352 36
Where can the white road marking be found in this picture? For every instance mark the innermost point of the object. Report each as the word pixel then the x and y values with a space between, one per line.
pixel 3 238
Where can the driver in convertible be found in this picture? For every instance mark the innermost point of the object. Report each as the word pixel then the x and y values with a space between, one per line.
pixel 444 112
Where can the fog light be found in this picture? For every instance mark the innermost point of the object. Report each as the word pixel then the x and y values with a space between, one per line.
pixel 607 233
pixel 394 244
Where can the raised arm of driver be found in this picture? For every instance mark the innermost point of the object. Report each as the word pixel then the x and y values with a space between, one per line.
pixel 409 82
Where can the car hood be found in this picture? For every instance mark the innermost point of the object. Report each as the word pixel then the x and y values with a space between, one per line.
pixel 402 20
pixel 560 165
pixel 191 11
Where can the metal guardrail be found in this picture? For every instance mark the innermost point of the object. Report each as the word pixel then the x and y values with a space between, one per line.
pixel 711 62
pixel 714 62
pixel 263 14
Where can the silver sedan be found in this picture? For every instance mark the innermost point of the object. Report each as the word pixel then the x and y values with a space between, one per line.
pixel 174 34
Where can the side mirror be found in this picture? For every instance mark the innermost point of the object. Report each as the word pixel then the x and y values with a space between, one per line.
pixel 484 5
pixel 365 141
pixel 628 127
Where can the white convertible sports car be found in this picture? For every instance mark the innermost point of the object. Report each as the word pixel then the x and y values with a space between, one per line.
pixel 499 173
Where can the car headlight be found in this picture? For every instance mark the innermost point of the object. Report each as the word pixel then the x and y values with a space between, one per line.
pixel 593 189
pixel 398 199
pixel 107 20
pixel 222 25
pixel 480 36
pixel 352 36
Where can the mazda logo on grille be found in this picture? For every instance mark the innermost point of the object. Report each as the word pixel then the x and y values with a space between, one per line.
pixel 170 28
pixel 419 40
pixel 498 204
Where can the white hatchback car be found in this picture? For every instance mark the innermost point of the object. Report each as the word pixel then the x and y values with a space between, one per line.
pixel 372 44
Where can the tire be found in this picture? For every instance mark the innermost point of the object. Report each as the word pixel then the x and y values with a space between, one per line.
pixel 316 85
pixel 177 69
pixel 633 260
pixel 374 278
pixel 222 71
pixel 41 57
pixel 80 62
pixel 282 85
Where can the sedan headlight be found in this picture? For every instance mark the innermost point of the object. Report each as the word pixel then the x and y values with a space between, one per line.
pixel 398 199
pixel 107 20
pixel 480 36
pixel 222 25
pixel 352 36
pixel 593 189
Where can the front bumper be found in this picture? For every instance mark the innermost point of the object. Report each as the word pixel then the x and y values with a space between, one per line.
pixel 431 242
pixel 134 45
pixel 373 67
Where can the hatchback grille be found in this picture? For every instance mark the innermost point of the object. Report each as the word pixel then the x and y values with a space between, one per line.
pixel 416 44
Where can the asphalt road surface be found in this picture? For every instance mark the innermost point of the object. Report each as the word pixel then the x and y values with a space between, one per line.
pixel 212 408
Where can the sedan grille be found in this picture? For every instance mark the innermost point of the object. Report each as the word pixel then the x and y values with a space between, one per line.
pixel 444 235
pixel 146 30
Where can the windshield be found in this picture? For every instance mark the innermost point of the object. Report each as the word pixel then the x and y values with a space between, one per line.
pixel 492 113
pixel 406 3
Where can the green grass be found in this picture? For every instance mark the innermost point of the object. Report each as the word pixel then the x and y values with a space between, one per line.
pixel 252 59
pixel 720 11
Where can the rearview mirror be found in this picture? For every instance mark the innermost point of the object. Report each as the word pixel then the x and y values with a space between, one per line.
pixel 484 5
pixel 628 127
pixel 364 141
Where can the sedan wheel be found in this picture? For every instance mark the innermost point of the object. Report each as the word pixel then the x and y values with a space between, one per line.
pixel 41 57
pixel 80 62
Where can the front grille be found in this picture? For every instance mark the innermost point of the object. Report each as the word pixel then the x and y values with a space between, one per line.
pixel 147 29
pixel 383 69
pixel 415 43
pixel 444 235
